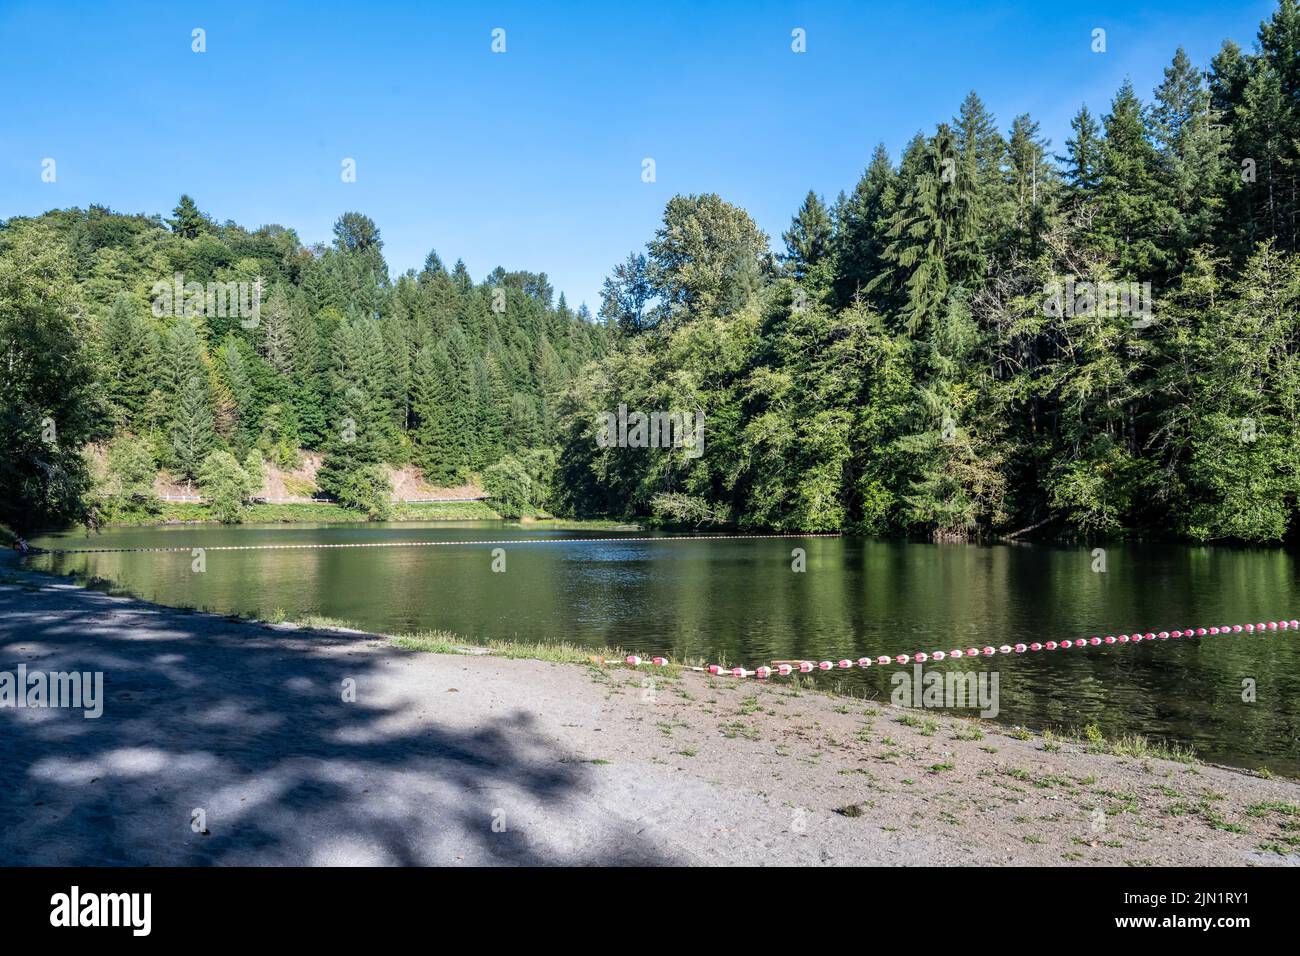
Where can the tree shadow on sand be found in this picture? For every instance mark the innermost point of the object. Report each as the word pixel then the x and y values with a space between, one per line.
pixel 202 713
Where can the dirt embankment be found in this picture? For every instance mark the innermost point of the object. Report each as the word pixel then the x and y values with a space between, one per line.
pixel 298 485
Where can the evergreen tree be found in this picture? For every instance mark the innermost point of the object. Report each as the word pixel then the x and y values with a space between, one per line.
pixel 808 242
pixel 1131 217
pixel 187 222
pixel 186 384
pixel 191 428
pixel 1084 155
pixel 930 247
pixel 131 350
pixel 438 419
pixel 1194 174
pixel 861 224
pixel 275 325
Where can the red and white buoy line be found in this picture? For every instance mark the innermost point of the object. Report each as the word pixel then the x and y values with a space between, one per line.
pixel 429 544
pixel 785 668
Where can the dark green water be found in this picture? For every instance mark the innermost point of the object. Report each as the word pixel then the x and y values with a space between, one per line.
pixel 740 601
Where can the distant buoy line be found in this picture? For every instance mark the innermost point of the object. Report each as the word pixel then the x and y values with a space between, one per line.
pixel 426 544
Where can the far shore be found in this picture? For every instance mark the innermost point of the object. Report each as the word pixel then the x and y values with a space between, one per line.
pixel 546 754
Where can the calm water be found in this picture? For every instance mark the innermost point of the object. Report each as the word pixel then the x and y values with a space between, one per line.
pixel 740 601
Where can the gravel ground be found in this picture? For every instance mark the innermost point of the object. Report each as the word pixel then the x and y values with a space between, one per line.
pixel 480 760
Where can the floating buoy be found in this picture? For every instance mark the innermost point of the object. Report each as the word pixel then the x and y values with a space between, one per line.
pixel 786 668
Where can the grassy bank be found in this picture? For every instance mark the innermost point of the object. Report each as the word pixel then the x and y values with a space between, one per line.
pixel 184 512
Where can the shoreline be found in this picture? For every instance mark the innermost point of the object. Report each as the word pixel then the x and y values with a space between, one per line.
pixel 585 762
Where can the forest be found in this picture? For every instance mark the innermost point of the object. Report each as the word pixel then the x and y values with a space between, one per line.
pixel 910 365
pixel 457 377
pixel 990 336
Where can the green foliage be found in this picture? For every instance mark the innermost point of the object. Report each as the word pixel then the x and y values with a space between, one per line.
pixel 226 486
pixel 50 399
pixel 131 352
pixel 679 509
pixel 364 488
pixel 808 243
pixel 127 491
pixel 510 486
pixel 707 258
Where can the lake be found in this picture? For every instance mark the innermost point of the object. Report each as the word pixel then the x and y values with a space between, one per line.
pixel 739 601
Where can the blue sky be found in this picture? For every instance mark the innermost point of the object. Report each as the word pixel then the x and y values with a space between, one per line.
pixel 531 159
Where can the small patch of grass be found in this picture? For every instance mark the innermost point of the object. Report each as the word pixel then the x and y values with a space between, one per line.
pixel 737 729
pixel 1136 745
pixel 1272 806
pixel 445 642
pixel 1050 780
pixel 1217 821
pixel 924 725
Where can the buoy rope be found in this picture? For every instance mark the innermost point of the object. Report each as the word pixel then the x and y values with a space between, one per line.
pixel 425 544
pixel 785 668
